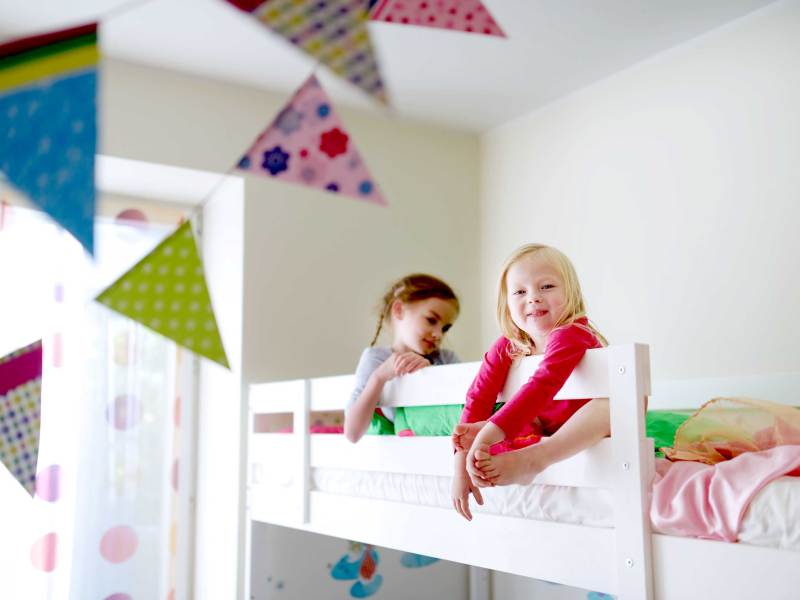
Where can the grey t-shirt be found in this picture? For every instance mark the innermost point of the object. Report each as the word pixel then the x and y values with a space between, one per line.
pixel 373 357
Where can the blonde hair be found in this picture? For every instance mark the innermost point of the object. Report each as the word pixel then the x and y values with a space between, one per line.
pixel 413 288
pixel 574 306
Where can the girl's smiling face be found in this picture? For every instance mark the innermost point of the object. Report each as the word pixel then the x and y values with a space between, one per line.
pixel 420 326
pixel 536 298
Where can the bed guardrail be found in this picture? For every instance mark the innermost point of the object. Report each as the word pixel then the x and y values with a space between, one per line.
pixel 624 463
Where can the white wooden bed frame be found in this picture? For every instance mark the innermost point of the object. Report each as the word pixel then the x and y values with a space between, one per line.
pixel 628 561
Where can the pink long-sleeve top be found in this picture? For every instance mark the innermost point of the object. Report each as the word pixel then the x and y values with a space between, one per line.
pixel 565 349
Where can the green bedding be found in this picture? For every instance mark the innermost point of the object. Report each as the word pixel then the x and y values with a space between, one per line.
pixel 440 420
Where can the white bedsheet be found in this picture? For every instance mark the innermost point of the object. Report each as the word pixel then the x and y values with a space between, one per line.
pixel 772 520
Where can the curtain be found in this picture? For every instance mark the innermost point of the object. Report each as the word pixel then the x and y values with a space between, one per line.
pixel 101 525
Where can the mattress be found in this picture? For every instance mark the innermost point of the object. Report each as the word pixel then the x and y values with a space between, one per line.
pixel 772 519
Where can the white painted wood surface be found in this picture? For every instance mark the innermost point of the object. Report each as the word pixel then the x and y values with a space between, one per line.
pixel 628 561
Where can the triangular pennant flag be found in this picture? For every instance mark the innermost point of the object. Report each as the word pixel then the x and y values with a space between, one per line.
pixel 48 131
pixel 334 32
pixel 308 144
pixel 20 412
pixel 166 291
pixel 460 15
pixel 247 5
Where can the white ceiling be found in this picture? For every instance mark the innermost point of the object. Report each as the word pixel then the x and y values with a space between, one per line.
pixel 460 80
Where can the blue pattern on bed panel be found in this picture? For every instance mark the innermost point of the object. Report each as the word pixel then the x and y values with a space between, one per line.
pixel 296 565
pixel 360 563
pixel 416 561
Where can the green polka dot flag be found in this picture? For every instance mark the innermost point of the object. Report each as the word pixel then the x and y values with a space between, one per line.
pixel 166 291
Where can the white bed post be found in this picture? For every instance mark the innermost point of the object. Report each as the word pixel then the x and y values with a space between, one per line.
pixel 480 583
pixel 629 384
pixel 302 435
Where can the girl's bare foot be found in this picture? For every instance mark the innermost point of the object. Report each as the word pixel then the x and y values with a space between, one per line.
pixel 464 434
pixel 518 466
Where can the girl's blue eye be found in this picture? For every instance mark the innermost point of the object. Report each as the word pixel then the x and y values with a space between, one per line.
pixel 431 321
pixel 446 328
pixel 548 286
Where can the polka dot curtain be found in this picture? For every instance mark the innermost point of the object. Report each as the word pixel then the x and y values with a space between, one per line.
pixel 101 511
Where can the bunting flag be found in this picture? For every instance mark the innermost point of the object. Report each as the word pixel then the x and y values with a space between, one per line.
pixel 461 15
pixel 20 412
pixel 333 32
pixel 166 291
pixel 48 131
pixel 308 144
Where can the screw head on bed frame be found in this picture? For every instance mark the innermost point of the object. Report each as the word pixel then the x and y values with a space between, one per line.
pixel 626 465
pixel 629 563
pixel 621 370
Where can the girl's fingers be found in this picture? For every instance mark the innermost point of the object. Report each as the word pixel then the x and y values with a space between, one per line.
pixel 478 497
pixel 458 503
pixel 465 508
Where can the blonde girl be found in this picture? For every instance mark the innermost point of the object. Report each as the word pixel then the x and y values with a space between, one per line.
pixel 540 310
pixel 420 310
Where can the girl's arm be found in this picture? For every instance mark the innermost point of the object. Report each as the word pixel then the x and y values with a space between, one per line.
pixel 488 383
pixel 565 349
pixel 358 415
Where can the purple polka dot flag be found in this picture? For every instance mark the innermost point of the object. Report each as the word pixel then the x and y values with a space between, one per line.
pixel 20 412
pixel 470 16
pixel 48 131
pixel 333 32
pixel 308 144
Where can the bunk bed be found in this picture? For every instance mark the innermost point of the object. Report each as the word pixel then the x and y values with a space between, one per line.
pixel 583 522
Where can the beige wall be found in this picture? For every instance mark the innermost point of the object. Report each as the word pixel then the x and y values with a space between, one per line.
pixel 316 264
pixel 673 186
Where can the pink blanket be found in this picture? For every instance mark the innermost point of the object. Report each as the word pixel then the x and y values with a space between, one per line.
pixel 694 499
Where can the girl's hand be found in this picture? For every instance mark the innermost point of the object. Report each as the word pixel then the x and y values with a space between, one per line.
pixel 400 363
pixel 385 371
pixel 408 362
pixel 461 488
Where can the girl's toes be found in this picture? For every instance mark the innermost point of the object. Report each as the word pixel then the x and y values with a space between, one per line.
pixel 482 453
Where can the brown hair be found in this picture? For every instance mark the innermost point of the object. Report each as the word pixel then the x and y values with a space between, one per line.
pixel 574 307
pixel 413 288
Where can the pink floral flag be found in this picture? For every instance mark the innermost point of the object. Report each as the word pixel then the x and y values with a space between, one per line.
pixel 308 144
pixel 333 32
pixel 461 15
pixel 20 412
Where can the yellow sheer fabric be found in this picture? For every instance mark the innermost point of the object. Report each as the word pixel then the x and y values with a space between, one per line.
pixel 723 428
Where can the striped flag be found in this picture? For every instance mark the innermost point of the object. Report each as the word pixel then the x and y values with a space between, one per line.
pixel 48 130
